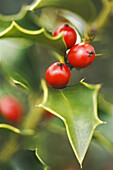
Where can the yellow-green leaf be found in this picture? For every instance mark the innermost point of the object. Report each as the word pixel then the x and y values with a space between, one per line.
pixel 40 36
pixel 11 128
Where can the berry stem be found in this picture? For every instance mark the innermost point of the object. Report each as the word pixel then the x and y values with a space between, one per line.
pixel 96 55
pixel 66 25
pixel 107 8
pixel 62 59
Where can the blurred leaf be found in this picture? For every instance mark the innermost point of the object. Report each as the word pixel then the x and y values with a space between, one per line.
pixel 77 107
pixel 104 134
pixel 97 157
pixel 3 76
pixel 26 160
pixel 24 25
pixel 5 166
pixel 9 127
pixel 51 144
pixel 7 87
pixel 106 114
pixel 55 150
pixel 24 18
pixel 19 59
pixel 22 160
pixel 85 9
pixel 27 21
pixel 78 22
pixel 57 17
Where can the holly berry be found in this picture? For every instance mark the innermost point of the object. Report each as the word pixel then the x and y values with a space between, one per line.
pixel 58 75
pixel 11 108
pixel 81 55
pixel 70 35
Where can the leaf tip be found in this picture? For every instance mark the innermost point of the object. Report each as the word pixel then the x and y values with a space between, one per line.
pixel 39 105
pixel 10 127
pixel 91 86
pixel 81 166
pixel 82 79
pixel 104 122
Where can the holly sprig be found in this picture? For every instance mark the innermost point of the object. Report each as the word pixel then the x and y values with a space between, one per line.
pixel 17 28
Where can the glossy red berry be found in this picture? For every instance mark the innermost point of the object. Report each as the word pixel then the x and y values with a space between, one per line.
pixel 81 55
pixel 11 108
pixel 58 75
pixel 70 35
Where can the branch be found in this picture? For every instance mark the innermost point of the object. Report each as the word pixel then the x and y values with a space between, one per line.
pixel 99 21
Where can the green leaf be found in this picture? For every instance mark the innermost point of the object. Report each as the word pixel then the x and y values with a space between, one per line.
pixel 27 21
pixel 26 160
pixel 11 128
pixel 14 30
pixel 77 107
pixel 54 149
pixel 3 76
pixel 22 160
pixel 83 8
pixel 24 25
pixel 24 18
pixel 52 144
pixel 4 166
pixel 21 62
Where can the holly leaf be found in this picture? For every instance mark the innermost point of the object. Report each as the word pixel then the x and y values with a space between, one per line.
pixel 40 36
pixel 85 9
pixel 77 107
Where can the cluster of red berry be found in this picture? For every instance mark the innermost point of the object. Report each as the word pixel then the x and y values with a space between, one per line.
pixel 79 56
pixel 11 108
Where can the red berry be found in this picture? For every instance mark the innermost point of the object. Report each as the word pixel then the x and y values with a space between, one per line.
pixel 81 55
pixel 70 35
pixel 11 108
pixel 58 75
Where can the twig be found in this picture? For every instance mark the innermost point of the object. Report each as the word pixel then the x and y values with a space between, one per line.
pixel 99 21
